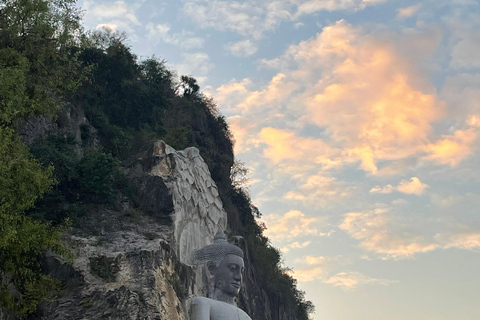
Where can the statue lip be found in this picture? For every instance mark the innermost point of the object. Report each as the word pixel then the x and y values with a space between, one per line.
pixel 235 284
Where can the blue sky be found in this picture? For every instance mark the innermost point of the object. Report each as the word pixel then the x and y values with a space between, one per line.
pixel 359 122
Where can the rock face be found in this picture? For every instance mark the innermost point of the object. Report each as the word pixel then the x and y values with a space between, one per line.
pixel 136 263
pixel 198 209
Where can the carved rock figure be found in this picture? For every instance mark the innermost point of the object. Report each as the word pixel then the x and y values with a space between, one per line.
pixel 225 264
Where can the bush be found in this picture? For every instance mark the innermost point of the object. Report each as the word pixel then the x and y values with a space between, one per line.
pixel 98 173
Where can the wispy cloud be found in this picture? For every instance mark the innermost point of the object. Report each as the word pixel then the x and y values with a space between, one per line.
pixel 119 14
pixel 308 274
pixel 414 186
pixel 295 245
pixel 408 12
pixel 393 237
pixel 311 260
pixel 252 18
pixel 242 48
pixel 197 64
pixel 292 225
pixel 161 33
pixel 352 280
pixel 380 232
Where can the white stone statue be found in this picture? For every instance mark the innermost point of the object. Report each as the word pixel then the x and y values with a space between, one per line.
pixel 225 265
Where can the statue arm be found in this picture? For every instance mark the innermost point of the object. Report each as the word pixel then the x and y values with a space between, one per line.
pixel 199 310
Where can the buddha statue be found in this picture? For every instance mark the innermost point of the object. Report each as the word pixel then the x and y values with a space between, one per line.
pixel 224 262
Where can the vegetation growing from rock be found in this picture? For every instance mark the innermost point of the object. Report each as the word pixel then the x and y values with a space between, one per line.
pixel 46 61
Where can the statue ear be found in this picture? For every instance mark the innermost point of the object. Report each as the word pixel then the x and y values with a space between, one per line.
pixel 211 267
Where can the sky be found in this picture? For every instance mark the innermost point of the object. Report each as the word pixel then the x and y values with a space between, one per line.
pixel 359 121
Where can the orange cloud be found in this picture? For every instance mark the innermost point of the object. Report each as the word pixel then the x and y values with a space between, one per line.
pixel 286 145
pixel 371 105
pixel 352 280
pixel 414 186
pixel 307 275
pixel 311 260
pixel 452 148
pixel 474 120
pixel 365 95
pixel 295 245
pixel 277 90
pixel 467 240
pixel 242 133
pixel 291 225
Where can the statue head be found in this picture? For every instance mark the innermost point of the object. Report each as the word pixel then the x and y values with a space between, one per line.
pixel 225 264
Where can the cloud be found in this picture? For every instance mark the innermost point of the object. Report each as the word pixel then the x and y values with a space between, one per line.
pixel 392 236
pixel 463 92
pixel 279 88
pixel 369 102
pixel 384 190
pixel 298 245
pixel 357 89
pixel 369 105
pixel 252 19
pixel 378 231
pixel 110 26
pixel 466 240
pixel 240 17
pixel 196 64
pixel 311 260
pixel 295 245
pixel 474 120
pixel 352 280
pixel 319 190
pixel 118 13
pixel 184 40
pixel 291 225
pixel 286 145
pixel 408 12
pixel 243 48
pixel 465 52
pixel 307 275
pixel 452 149
pixel 240 129
pixel 414 186
pixel 313 6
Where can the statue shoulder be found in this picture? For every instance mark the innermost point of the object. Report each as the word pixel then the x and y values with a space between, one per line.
pixel 200 308
pixel 201 300
pixel 243 315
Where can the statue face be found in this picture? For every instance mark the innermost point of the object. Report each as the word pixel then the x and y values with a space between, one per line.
pixel 228 276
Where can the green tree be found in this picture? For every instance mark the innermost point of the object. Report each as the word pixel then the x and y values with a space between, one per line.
pixel 37 66
pixel 22 181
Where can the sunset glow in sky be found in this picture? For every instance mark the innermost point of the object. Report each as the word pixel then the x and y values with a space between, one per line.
pixel 360 123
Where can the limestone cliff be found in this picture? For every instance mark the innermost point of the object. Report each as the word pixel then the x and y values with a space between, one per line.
pixel 135 261
pixel 136 265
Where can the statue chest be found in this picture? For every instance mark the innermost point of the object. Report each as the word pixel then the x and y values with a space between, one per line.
pixel 224 311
